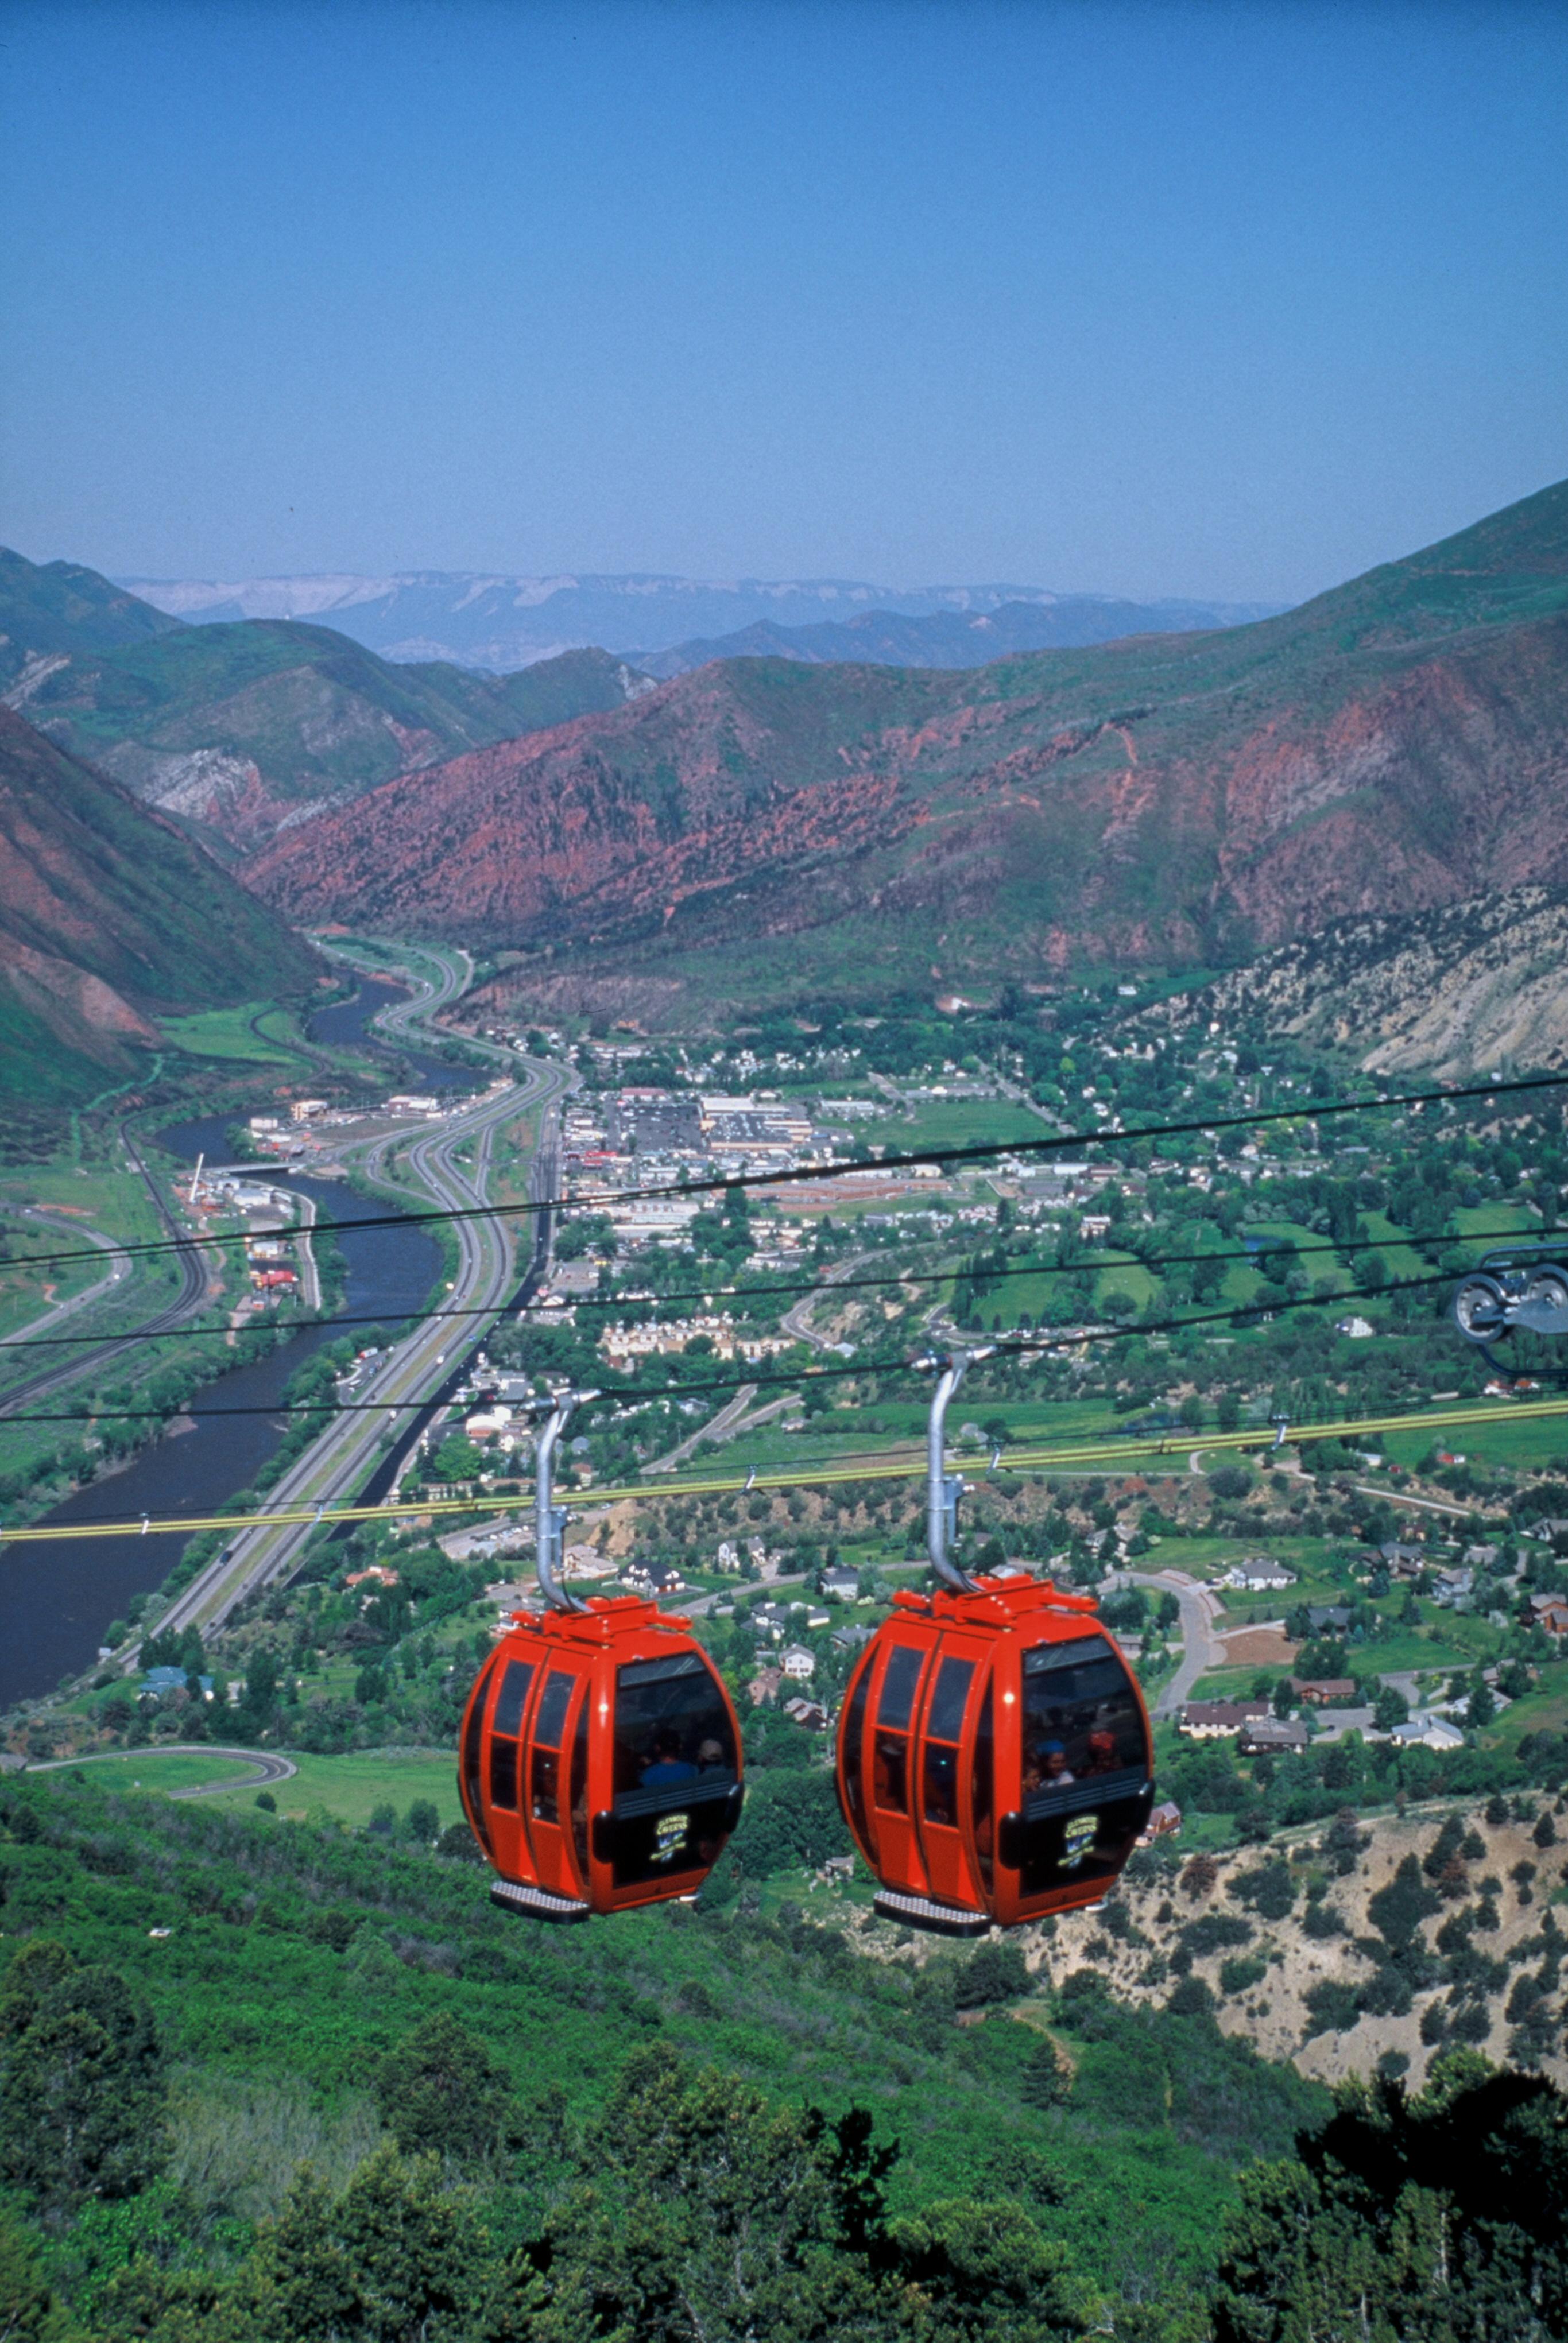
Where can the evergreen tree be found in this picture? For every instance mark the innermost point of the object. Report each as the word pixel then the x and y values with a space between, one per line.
pixel 1438 2219
pixel 82 2085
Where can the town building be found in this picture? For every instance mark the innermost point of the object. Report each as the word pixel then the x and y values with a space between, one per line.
pixel 1318 1692
pixel 851 1638
pixel 1427 1731
pixel 1283 1736
pixel 1219 1720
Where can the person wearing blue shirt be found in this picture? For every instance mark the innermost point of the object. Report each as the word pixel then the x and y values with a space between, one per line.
pixel 668 1768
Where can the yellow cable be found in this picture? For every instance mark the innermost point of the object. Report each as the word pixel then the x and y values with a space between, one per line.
pixel 876 1466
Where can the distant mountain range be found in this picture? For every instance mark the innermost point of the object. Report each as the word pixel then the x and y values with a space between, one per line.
pixel 239 729
pixel 769 826
pixel 109 915
pixel 765 827
pixel 667 625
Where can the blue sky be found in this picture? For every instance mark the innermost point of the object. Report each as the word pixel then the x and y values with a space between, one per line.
pixel 1162 299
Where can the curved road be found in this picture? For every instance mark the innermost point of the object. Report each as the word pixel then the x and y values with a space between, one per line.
pixel 68 1225
pixel 195 1288
pixel 266 1765
pixel 1201 1650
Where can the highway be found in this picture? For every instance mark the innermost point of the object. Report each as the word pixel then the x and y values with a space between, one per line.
pixel 428 1358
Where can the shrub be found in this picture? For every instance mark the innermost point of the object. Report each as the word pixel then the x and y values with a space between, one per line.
pixel 1269 1890
pixel 1046 2080
pixel 1190 1999
pixel 441 2092
pixel 1387 1992
pixel 1239 1976
pixel 82 2087
pixel 993 1973
pixel 1320 1921
pixel 1443 1848
pixel 1214 1933
pixel 1333 2007
pixel 1397 1911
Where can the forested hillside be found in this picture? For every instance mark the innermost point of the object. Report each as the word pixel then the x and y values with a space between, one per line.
pixel 268 2082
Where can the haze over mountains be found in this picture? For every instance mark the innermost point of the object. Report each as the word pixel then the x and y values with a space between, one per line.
pixel 1397 744
pixel 766 827
pixel 241 729
pixel 667 625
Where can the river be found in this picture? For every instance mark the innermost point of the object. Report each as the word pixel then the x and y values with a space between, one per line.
pixel 56 1599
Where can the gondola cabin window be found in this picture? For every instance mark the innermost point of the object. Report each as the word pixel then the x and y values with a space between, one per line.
pixel 675 1770
pixel 471 1781
pixel 944 1727
pixel 891 1755
pixel 1081 1721
pixel 553 1702
pixel 505 1729
pixel 672 1726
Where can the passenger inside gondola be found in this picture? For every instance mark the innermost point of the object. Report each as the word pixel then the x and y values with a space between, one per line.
pixel 667 1768
pixel 671 1726
pixel 1080 1717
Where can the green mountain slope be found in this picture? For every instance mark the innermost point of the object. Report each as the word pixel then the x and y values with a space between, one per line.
pixel 761 828
pixel 239 728
pixel 299 1958
pixel 109 915
pixel 57 607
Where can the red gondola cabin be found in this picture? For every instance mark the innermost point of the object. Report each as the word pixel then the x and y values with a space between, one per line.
pixel 994 1756
pixel 600 1761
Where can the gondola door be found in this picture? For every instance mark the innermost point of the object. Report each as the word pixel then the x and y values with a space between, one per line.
pixel 506 1839
pixel 893 1778
pixel 556 1799
pixel 953 1689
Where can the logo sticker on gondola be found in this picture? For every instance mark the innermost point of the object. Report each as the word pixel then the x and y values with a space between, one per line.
pixel 1077 1838
pixel 669 1834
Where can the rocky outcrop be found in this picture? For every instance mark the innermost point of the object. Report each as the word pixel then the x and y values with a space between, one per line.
pixel 1394 747
pixel 1474 989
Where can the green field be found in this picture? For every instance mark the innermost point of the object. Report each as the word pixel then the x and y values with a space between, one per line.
pixel 166 1769
pixel 957 1122
pixel 339 1789
pixel 229 1033
pixel 349 1789
pixel 1522 1446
